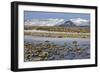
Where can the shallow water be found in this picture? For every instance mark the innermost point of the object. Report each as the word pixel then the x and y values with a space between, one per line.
pixel 59 41
pixel 82 42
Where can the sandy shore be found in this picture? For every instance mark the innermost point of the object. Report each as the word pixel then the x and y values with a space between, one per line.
pixel 52 32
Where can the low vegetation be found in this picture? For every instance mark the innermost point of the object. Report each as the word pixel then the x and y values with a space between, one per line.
pixel 59 29
pixel 58 35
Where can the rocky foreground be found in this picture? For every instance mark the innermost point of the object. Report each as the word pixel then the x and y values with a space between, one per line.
pixel 50 51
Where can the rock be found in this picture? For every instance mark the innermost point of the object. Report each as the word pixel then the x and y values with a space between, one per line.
pixel 37 59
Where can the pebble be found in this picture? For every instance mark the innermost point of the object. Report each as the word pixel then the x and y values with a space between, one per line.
pixel 51 51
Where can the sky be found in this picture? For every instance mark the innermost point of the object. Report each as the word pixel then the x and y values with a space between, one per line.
pixel 29 15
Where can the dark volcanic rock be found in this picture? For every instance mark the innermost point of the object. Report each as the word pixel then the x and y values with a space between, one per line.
pixel 67 24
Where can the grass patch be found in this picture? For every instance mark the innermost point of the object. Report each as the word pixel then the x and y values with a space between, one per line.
pixel 59 29
pixel 59 35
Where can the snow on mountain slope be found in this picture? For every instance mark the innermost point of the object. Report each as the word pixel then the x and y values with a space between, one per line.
pixel 80 22
pixel 58 22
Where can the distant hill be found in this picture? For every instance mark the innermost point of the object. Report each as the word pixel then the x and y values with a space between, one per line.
pixel 77 22
pixel 70 23
pixel 67 24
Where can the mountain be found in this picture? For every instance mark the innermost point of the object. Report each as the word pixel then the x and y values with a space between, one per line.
pixel 68 24
pixel 43 22
pixel 80 22
pixel 76 22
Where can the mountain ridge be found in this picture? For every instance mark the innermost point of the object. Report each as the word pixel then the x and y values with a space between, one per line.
pixel 59 22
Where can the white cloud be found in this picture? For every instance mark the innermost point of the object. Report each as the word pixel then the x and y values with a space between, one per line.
pixel 80 21
pixel 53 22
pixel 44 22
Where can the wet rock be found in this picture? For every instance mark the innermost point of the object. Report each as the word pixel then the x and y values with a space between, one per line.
pixel 50 51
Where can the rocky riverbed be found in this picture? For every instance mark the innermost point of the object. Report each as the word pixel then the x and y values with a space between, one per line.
pixel 46 50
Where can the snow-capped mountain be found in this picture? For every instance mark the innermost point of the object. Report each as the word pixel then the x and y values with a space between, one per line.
pixel 58 22
pixel 44 22
pixel 80 22
pixel 67 24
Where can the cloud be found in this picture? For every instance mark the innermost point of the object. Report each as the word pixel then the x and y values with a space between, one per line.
pixel 44 22
pixel 80 21
pixel 53 22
